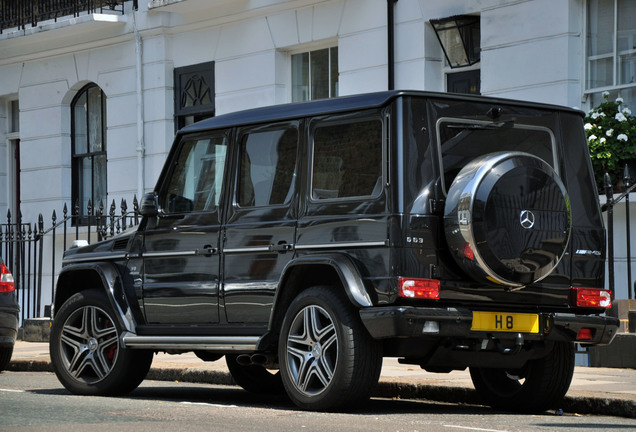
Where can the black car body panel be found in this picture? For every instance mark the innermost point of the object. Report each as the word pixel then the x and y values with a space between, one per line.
pixel 367 195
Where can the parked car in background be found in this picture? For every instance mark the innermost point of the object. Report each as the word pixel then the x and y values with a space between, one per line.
pixel 9 310
pixel 304 242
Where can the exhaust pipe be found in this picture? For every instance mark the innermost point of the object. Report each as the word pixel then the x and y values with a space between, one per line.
pixel 258 359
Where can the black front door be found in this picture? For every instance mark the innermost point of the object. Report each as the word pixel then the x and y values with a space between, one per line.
pixel 181 250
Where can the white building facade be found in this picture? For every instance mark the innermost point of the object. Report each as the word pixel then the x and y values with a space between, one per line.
pixel 89 102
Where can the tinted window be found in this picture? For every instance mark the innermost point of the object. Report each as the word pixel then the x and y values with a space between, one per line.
pixel 266 173
pixel 347 160
pixel 462 141
pixel 197 178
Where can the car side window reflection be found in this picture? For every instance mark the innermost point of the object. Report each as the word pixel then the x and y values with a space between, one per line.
pixel 266 173
pixel 197 178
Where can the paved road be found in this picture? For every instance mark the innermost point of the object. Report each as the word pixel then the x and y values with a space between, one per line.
pixel 35 401
pixel 599 391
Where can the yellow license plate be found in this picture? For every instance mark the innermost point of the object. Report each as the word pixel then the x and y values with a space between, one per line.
pixel 505 322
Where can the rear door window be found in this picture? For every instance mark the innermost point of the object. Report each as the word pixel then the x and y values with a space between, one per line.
pixel 267 166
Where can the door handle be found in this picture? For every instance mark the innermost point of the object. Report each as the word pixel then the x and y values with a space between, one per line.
pixel 281 247
pixel 207 251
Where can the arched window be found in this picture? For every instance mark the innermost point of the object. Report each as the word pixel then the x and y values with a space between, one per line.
pixel 88 138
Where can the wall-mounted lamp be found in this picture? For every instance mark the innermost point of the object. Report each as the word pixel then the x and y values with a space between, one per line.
pixel 460 39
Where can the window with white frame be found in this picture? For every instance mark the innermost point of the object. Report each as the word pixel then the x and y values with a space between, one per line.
pixel 315 74
pixel 88 138
pixel 611 50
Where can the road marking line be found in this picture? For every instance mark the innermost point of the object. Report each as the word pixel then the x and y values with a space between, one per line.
pixel 12 391
pixel 474 428
pixel 209 404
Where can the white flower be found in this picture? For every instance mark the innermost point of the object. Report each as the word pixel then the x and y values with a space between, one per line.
pixel 591 138
pixel 622 137
pixel 595 116
pixel 601 114
pixel 627 111
pixel 620 117
pixel 619 100
pixel 605 94
pixel 603 140
pixel 610 132
pixel 588 126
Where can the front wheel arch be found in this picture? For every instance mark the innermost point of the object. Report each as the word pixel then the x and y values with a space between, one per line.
pixel 102 277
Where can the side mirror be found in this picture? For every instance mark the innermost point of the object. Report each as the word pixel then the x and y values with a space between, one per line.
pixel 149 205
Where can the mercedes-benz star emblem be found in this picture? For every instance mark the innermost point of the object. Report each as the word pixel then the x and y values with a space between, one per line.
pixel 526 218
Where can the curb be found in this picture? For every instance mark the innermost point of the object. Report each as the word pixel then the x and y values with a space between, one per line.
pixel 450 394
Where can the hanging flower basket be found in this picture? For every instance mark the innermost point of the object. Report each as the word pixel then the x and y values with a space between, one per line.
pixel 611 136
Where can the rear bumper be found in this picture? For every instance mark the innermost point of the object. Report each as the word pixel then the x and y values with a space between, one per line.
pixel 416 322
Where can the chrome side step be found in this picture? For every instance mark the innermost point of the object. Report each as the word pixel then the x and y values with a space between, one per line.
pixel 207 343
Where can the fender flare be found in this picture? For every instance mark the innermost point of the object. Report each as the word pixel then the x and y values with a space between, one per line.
pixel 345 268
pixel 111 280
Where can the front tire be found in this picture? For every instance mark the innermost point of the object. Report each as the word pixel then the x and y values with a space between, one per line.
pixel 86 351
pixel 541 384
pixel 327 358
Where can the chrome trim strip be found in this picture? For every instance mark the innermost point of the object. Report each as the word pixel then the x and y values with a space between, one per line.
pixel 248 249
pixel 168 254
pixel 86 258
pixel 340 245
pixel 210 343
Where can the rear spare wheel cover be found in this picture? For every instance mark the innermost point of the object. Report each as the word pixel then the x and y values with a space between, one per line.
pixel 507 219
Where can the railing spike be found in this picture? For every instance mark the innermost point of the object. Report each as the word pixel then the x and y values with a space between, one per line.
pixel 54 217
pixel 65 211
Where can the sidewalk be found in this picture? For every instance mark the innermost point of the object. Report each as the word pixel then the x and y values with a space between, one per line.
pixel 602 391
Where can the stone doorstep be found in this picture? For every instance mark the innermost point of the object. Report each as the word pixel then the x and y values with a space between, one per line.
pixel 36 329
pixel 621 353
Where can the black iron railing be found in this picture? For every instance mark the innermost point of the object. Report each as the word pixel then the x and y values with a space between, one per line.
pixel 28 249
pixel 628 186
pixel 21 13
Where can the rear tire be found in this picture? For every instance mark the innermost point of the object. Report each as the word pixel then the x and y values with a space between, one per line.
pixel 86 351
pixel 328 360
pixel 541 384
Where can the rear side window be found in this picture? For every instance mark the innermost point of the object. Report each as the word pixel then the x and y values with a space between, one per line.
pixel 267 167
pixel 347 160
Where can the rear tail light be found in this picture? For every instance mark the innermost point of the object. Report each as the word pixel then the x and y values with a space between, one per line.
pixel 6 280
pixel 585 334
pixel 591 297
pixel 418 288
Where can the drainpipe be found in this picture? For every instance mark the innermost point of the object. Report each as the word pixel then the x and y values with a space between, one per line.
pixel 141 148
pixel 390 14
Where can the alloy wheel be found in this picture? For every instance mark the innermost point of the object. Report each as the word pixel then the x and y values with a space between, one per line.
pixel 89 344
pixel 312 350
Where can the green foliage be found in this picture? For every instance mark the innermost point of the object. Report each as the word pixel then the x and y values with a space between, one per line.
pixel 611 136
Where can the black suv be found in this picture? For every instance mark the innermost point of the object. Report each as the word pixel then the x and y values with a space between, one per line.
pixel 304 242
